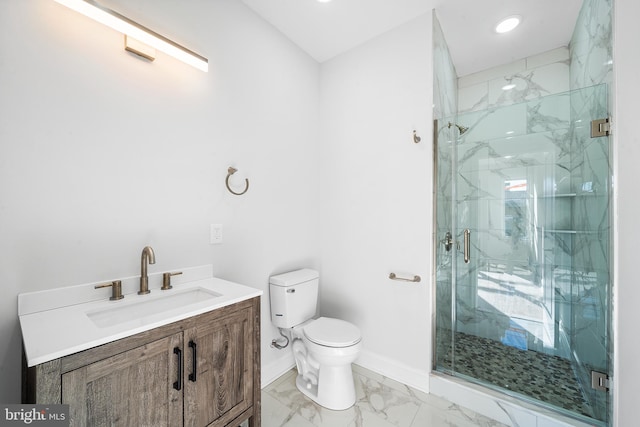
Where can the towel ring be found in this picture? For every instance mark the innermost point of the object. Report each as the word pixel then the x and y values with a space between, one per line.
pixel 231 171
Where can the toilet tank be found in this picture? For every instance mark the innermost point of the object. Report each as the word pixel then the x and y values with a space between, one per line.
pixel 293 297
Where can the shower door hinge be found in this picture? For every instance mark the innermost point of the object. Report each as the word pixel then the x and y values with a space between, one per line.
pixel 600 127
pixel 600 381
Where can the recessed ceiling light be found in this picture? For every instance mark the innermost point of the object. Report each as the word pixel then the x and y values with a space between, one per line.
pixel 324 1
pixel 508 24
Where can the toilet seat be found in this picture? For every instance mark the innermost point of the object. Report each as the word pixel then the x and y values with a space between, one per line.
pixel 331 332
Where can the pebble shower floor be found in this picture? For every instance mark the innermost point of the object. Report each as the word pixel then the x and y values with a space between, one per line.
pixel 519 371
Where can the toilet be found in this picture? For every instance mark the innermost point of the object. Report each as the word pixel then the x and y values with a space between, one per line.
pixel 323 348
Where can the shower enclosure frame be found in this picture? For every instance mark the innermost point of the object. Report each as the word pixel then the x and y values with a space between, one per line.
pixel 437 245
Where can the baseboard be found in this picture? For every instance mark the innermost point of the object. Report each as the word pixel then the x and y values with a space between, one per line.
pixel 274 370
pixel 390 368
pixel 374 362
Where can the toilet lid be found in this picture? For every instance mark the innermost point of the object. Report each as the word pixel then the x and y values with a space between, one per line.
pixel 332 332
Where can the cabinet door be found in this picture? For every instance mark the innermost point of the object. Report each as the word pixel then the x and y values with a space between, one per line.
pixel 133 388
pixel 223 386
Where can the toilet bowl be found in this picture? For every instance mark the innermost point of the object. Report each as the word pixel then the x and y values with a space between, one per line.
pixel 323 348
pixel 324 367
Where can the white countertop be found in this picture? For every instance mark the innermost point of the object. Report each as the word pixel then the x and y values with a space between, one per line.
pixel 50 332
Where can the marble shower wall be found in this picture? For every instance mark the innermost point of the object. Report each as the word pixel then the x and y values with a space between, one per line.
pixel 591 47
pixel 445 92
pixel 521 80
pixel 445 84
pixel 518 116
pixel 590 292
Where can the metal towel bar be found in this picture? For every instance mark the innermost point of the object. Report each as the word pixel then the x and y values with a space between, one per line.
pixel 393 276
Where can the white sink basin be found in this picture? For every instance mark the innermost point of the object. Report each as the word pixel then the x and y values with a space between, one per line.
pixel 149 306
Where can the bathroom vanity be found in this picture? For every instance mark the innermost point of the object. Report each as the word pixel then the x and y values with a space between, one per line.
pixel 198 366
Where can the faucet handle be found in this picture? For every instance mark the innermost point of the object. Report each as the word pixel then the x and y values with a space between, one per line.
pixel 166 280
pixel 116 289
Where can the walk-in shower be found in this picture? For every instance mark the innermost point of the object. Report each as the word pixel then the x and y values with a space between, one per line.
pixel 523 234
pixel 526 306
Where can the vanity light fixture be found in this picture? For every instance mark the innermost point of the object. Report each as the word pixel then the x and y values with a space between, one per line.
pixel 139 48
pixel 508 24
pixel 133 30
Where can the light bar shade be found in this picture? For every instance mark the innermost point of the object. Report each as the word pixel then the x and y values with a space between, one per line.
pixel 134 30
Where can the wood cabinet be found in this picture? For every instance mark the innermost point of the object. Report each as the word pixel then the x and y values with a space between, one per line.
pixel 220 379
pixel 202 371
pixel 131 388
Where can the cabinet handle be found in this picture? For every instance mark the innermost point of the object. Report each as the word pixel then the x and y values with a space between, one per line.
pixel 178 384
pixel 194 362
pixel 467 246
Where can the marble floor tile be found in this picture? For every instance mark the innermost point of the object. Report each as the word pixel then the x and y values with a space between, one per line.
pixel 275 413
pixel 454 416
pixel 380 402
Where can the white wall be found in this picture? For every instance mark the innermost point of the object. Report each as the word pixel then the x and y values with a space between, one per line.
pixel 102 153
pixel 627 158
pixel 376 213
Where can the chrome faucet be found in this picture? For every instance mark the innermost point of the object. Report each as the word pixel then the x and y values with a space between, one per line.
pixel 150 257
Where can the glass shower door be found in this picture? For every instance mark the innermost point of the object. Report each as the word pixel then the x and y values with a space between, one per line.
pixel 526 277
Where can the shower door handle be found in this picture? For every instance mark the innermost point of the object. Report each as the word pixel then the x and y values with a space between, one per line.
pixel 467 245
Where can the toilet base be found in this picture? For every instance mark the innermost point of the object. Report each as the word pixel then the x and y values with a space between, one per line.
pixel 307 388
pixel 335 389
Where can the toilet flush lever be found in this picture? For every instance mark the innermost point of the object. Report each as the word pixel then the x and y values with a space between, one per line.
pixel 291 291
